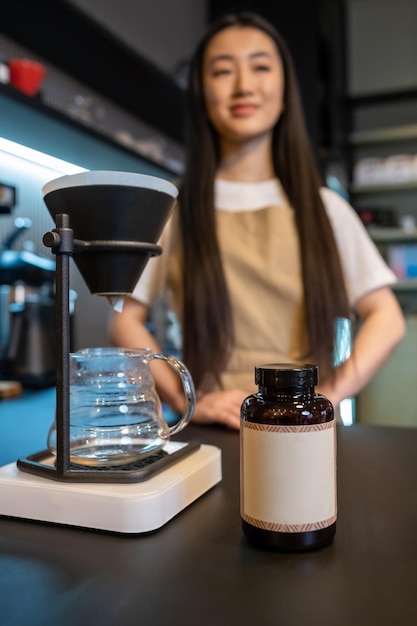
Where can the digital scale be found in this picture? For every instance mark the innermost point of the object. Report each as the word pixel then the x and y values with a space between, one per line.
pixel 123 508
pixel 105 209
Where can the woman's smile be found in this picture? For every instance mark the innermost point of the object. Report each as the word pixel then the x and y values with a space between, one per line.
pixel 243 109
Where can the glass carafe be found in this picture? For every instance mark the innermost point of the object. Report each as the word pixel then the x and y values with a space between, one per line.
pixel 115 412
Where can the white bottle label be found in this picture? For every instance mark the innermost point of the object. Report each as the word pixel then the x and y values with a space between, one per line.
pixel 288 476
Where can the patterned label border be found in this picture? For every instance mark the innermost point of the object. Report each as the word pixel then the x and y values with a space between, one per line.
pixel 289 528
pixel 273 428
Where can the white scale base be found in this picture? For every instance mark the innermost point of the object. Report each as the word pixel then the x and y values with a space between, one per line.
pixel 122 508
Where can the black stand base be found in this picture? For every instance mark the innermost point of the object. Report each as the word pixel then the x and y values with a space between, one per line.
pixel 130 473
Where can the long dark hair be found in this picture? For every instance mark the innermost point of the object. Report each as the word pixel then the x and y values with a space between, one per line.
pixel 207 317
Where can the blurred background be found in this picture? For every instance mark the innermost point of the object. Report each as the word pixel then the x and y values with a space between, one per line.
pixel 111 97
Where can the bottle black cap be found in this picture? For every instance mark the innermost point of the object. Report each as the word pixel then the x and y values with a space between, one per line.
pixel 286 375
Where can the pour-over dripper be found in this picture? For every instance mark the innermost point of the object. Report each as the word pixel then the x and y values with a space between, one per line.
pixel 110 212
pixel 110 221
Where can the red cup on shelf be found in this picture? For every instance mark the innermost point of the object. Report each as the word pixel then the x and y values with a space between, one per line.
pixel 26 75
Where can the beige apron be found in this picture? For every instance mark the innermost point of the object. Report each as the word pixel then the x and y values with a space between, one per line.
pixel 263 271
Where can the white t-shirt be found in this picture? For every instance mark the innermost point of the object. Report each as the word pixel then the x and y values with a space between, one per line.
pixel 363 266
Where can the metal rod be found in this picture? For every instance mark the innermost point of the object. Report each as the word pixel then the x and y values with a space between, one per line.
pixel 113 245
pixel 62 326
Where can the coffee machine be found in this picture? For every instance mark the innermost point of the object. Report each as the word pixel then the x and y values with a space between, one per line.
pixel 27 340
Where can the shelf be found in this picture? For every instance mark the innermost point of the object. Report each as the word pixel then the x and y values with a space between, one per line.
pixel 384 135
pixel 155 148
pixel 362 189
pixel 97 58
pixel 392 235
pixel 406 285
pixel 370 99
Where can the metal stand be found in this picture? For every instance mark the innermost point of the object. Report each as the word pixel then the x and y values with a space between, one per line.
pixel 63 245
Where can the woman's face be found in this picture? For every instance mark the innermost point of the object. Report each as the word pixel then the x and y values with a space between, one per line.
pixel 243 82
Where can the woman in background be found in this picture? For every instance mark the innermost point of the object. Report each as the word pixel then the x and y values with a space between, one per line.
pixel 260 259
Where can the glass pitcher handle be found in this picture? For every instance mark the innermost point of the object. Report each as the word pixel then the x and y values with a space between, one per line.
pixel 189 391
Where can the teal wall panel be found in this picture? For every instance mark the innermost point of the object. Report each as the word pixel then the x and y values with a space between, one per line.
pixel 34 128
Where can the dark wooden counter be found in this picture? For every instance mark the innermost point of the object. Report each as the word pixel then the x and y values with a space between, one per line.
pixel 200 570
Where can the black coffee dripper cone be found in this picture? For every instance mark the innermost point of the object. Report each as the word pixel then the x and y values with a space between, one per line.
pixel 110 213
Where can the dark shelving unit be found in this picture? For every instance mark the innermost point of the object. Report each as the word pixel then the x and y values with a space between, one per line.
pixel 69 39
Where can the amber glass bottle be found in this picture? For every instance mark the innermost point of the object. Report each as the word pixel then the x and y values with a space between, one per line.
pixel 288 461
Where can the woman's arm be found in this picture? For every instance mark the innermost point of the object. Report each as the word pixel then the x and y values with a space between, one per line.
pixel 128 330
pixel 381 330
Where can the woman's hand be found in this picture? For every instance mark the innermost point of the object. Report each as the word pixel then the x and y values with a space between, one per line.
pixel 382 328
pixel 328 390
pixel 221 407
